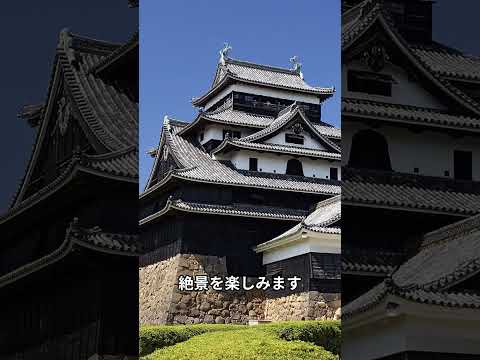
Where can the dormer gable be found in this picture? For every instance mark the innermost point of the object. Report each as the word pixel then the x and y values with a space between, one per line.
pixel 293 127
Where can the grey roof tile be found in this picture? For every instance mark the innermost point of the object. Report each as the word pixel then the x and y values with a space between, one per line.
pixel 227 115
pixel 287 149
pixel 448 256
pixel 282 120
pixel 449 63
pixel 410 197
pixel 370 261
pixel 123 162
pixel 418 115
pixel 197 165
pixel 270 75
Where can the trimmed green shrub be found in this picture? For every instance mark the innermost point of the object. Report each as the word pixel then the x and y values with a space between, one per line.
pixel 327 334
pixel 158 336
pixel 252 343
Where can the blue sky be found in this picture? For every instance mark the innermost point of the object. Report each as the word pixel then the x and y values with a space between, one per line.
pixel 180 41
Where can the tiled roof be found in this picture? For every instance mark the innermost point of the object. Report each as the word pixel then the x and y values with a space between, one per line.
pixel 262 75
pixel 110 115
pixel 360 20
pixel 373 297
pixel 105 241
pixel 393 112
pixel 409 197
pixel 227 115
pixel 322 220
pixel 356 20
pixel 270 75
pixel 131 44
pixel 449 63
pixel 120 164
pixel 123 162
pixel 93 238
pixel 439 183
pixel 287 149
pixel 370 261
pixel 283 119
pixel 197 165
pixel 329 131
pixel 326 213
pixel 448 256
pixel 256 211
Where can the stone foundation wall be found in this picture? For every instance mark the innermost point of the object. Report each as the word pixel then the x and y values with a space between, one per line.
pixel 310 305
pixel 156 287
pixel 162 303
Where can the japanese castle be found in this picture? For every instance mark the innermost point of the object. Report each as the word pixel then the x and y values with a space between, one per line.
pixel 69 255
pixel 253 164
pixel 411 142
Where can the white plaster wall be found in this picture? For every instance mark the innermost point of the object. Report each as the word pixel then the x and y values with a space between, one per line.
pixel 272 163
pixel 404 91
pixel 215 132
pixel 309 141
pixel 430 151
pixel 319 243
pixel 263 91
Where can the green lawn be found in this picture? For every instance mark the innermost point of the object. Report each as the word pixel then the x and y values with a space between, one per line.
pixel 306 340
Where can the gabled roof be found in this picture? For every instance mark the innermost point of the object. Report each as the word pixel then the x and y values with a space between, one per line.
pixel 285 117
pixel 263 75
pixel 110 117
pixel 194 164
pixel 254 211
pixel 77 236
pixel 322 220
pixel 226 114
pixel 447 257
pixel 358 20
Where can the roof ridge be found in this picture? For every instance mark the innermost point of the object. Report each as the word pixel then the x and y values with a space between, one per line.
pixel 262 66
pixel 91 40
pixel 451 231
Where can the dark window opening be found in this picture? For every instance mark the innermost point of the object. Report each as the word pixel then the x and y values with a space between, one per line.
pixel 462 165
pixel 333 173
pixel 201 136
pixel 369 151
pixel 294 139
pixel 446 173
pixel 253 164
pixel 326 266
pixel 231 133
pixel 294 167
pixel 416 170
pixel 370 83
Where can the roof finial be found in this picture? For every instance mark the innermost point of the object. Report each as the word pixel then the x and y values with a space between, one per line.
pixel 224 52
pixel 297 65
